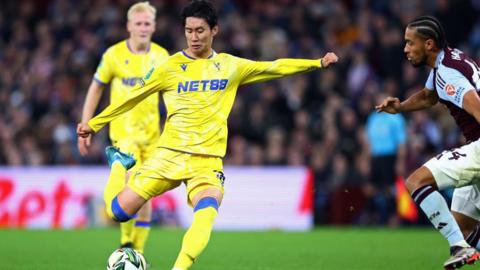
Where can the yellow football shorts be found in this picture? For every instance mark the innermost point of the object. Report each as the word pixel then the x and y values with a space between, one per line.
pixel 139 151
pixel 166 169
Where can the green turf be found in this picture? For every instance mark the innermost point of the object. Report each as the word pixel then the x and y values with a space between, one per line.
pixel 324 248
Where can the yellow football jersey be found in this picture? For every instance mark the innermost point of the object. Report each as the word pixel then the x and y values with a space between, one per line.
pixel 199 95
pixel 124 71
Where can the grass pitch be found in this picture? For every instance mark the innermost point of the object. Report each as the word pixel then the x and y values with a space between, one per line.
pixel 323 248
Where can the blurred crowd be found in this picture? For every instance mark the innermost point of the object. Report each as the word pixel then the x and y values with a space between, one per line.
pixel 49 50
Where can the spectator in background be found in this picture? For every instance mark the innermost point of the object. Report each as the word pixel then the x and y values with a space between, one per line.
pixel 386 136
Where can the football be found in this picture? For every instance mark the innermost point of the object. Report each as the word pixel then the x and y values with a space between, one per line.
pixel 126 259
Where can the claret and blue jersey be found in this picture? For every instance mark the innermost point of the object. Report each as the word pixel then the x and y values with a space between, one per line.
pixel 453 76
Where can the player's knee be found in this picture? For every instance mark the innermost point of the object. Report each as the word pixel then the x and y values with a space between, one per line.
pixel 420 178
pixel 206 202
pixel 411 184
pixel 117 212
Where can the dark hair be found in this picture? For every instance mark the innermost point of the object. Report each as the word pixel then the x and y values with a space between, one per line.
pixel 200 9
pixel 429 27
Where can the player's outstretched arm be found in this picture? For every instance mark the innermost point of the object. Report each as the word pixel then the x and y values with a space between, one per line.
pixel 389 105
pixel 260 71
pixel 114 110
pixel 328 59
pixel 423 99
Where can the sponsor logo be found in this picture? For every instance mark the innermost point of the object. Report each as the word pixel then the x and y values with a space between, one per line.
pixel 458 94
pixel 450 89
pixel 202 85
pixel 132 81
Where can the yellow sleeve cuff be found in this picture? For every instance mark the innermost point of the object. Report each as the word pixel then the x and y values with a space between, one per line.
pixel 94 127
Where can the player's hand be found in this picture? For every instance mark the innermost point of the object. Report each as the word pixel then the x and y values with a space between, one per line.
pixel 83 144
pixel 389 105
pixel 328 59
pixel 84 130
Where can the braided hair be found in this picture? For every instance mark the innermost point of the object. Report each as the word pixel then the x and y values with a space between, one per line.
pixel 429 27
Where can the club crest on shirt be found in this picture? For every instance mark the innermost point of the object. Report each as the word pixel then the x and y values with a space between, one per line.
pixel 450 89
pixel 217 65
pixel 184 67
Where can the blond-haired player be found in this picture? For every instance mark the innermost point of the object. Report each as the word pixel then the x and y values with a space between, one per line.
pixel 198 86
pixel 136 132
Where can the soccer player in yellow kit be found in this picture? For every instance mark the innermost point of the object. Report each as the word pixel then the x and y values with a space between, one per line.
pixel 198 87
pixel 123 65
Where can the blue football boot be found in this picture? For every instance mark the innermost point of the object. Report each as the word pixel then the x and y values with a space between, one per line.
pixel 114 154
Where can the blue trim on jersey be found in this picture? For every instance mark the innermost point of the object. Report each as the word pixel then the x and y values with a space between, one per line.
pixel 119 213
pixel 98 81
pixel 188 56
pixel 142 224
pixel 206 202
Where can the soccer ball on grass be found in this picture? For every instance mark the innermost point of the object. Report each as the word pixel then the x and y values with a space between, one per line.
pixel 126 259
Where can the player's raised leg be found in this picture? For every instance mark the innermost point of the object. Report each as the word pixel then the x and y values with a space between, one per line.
pixel 206 203
pixel 126 228
pixel 119 163
pixel 125 205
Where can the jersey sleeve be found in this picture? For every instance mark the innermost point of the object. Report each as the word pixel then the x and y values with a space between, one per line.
pixel 152 82
pixel 429 82
pixel 456 86
pixel 104 73
pixel 260 71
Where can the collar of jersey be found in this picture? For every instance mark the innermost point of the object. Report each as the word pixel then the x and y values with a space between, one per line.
pixel 439 58
pixel 193 58
pixel 130 49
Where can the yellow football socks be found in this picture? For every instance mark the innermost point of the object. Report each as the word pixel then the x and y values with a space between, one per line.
pixel 196 237
pixel 140 234
pixel 126 229
pixel 115 184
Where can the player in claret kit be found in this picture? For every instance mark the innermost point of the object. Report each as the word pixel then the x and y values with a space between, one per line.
pixel 454 81
pixel 198 87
